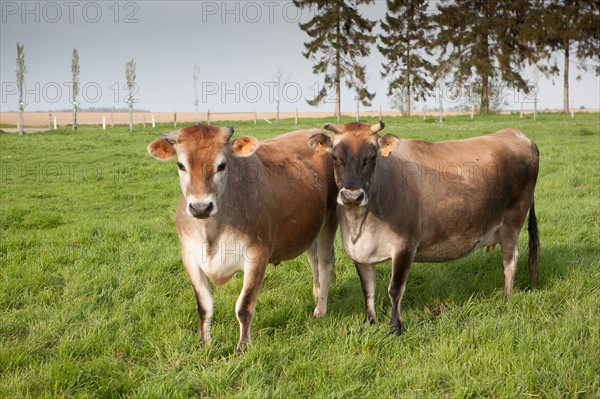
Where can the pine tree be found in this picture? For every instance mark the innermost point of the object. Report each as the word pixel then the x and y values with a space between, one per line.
pixel 339 36
pixel 571 28
pixel 484 37
pixel 405 45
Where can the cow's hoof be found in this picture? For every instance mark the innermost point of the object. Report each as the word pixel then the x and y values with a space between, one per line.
pixel 241 347
pixel 317 314
pixel 370 318
pixel 396 329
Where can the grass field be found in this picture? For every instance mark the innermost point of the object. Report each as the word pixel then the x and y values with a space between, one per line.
pixel 94 300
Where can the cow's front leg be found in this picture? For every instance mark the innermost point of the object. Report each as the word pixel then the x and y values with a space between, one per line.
pixel 367 281
pixel 401 263
pixel 326 258
pixel 254 273
pixel 204 301
pixel 313 260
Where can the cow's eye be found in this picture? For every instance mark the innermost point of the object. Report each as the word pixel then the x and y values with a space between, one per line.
pixel 221 166
pixel 180 166
pixel 337 160
pixel 369 159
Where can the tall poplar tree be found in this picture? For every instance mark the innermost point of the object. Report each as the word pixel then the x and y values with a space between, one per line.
pixel 484 37
pixel 339 37
pixel 21 71
pixel 405 45
pixel 75 75
pixel 130 75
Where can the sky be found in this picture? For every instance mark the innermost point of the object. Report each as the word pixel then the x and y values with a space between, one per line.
pixel 238 46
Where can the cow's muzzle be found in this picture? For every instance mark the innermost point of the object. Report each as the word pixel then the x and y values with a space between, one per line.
pixel 349 197
pixel 201 209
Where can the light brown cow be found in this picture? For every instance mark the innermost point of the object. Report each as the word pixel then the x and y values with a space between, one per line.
pixel 411 200
pixel 245 205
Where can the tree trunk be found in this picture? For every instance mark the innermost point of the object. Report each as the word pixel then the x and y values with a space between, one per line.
pixel 408 101
pixel 566 79
pixel 485 74
pixel 338 98
pixel 338 73
pixel 407 88
pixel 407 77
pixel 338 94
pixel 485 95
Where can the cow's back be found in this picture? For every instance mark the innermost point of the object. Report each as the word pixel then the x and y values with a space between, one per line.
pixel 454 195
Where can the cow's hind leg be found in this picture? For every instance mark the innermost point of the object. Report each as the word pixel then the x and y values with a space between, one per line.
pixel 311 254
pixel 510 256
pixel 401 263
pixel 367 281
pixel 326 259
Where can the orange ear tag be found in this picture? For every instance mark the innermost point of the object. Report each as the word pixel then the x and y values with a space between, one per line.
pixel 387 150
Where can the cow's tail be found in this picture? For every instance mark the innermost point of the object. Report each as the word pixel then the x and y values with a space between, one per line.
pixel 534 245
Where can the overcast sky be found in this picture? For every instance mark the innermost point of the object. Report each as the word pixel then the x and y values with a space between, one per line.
pixel 237 45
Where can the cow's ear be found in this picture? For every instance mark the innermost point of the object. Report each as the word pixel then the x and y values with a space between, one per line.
pixel 244 146
pixel 321 143
pixel 163 148
pixel 387 143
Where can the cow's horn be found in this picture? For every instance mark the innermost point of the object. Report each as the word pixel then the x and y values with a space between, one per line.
pixel 227 131
pixel 377 128
pixel 171 137
pixel 331 128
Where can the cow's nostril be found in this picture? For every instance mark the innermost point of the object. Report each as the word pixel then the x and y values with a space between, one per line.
pixel 201 209
pixel 352 197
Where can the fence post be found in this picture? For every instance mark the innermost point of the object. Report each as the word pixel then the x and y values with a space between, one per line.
pixel 112 121
pixel 175 119
pixel 380 112
pixel 255 116
pixel 208 117
pixel 49 121
pixel 572 110
pixel 104 123
pixel 153 122
pixel 295 121
pixel 55 123
pixel 472 110
pixel 424 111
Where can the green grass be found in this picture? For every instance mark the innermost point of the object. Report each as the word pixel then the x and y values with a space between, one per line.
pixel 94 300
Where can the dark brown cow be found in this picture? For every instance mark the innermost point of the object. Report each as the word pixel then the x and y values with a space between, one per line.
pixel 244 205
pixel 411 200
